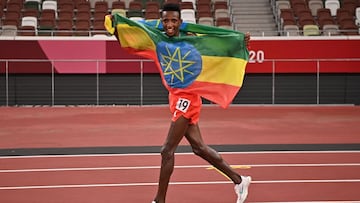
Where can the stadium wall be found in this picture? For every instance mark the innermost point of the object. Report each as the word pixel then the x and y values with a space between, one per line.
pixel 96 71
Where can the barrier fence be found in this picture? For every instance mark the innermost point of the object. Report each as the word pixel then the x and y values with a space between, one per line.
pixel 97 72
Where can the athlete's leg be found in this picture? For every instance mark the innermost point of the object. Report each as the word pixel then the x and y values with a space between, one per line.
pixel 193 135
pixel 176 133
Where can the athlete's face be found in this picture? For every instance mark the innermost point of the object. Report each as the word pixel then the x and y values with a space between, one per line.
pixel 171 22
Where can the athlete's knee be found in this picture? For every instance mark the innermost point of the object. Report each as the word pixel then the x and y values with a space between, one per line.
pixel 199 150
pixel 166 153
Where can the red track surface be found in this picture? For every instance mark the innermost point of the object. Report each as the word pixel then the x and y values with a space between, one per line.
pixel 278 177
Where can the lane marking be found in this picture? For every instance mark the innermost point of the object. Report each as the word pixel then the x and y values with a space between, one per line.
pixel 158 154
pixel 313 202
pixel 209 167
pixel 172 183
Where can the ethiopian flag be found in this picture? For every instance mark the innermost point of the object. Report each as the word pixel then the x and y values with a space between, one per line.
pixel 211 64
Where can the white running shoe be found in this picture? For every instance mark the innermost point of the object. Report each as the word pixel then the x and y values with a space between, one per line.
pixel 242 189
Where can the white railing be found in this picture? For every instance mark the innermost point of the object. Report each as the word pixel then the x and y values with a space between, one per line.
pixel 97 72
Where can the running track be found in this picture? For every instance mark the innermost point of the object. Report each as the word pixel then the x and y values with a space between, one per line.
pixel 311 173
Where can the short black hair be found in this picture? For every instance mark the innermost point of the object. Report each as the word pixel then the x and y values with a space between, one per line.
pixel 171 7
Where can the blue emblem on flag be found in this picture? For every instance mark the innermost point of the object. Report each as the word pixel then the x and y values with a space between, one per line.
pixel 180 63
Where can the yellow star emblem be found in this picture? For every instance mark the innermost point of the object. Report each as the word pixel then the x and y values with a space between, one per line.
pixel 175 64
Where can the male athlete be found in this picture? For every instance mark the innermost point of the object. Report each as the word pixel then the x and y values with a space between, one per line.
pixel 185 108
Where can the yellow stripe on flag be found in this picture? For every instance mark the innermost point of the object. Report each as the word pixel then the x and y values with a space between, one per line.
pixel 108 24
pixel 134 37
pixel 225 70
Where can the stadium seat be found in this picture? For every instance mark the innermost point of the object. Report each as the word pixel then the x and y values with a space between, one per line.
pixel 65 14
pixel 333 5
pixel 9 30
pixel 28 26
pixel 186 5
pixel 311 30
pixel 82 27
pixel 324 13
pixel 281 4
pixel 99 15
pixel 206 21
pixel 343 14
pixel 287 17
pixel 27 31
pixel 325 21
pixel 83 15
pixel 305 18
pixel 152 6
pixel 29 21
pixel 220 5
pixel 349 5
pixel 31 12
pixel 46 27
pixel 152 15
pixel 203 7
pixel 118 5
pixel 101 6
pixel 329 30
pixel 48 14
pixel 110 3
pixel 64 27
pixel 223 22
pixel 348 27
pixel 209 2
pixel 66 6
pixel 32 4
pixel 135 6
pixel 357 15
pixel 50 5
pixel 98 28
pixel 12 18
pixel 291 30
pixel 221 13
pixel 13 7
pixel 83 6
pixel 191 1
pixel 314 5
pixel 93 2
pixel 299 6
pixel 188 15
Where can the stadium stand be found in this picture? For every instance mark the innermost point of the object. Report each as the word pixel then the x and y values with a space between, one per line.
pixel 259 17
pixel 254 16
pixel 330 16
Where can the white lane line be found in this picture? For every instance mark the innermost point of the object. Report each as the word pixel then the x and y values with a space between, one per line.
pixel 158 154
pixel 313 202
pixel 180 167
pixel 172 183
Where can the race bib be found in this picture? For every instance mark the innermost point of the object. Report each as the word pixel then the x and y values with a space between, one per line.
pixel 183 105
